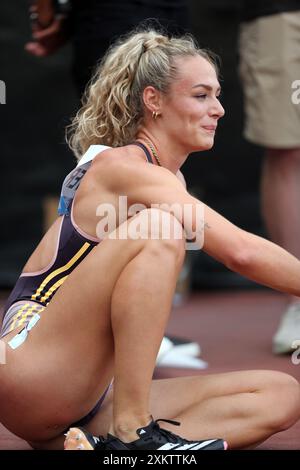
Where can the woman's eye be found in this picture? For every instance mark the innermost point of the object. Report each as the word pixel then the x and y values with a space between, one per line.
pixel 201 96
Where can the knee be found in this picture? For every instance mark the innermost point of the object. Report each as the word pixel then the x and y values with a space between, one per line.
pixel 284 407
pixel 162 232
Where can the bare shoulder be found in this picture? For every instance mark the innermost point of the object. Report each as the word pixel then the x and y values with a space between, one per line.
pixel 125 167
pixel 181 178
pixel 113 158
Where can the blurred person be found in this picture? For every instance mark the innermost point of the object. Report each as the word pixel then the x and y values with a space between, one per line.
pixel 269 66
pixel 88 313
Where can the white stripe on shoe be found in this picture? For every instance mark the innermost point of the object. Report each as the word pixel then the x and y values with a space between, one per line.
pixel 203 444
pixel 168 446
pixel 188 446
pixel 191 446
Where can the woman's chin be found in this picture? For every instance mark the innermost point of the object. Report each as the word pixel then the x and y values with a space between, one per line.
pixel 207 145
pixel 201 143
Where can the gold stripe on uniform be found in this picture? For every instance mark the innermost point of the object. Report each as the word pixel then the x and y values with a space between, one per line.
pixel 61 270
pixel 53 288
pixel 18 315
pixel 39 308
pixel 29 311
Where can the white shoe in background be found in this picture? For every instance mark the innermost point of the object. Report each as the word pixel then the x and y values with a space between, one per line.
pixel 185 346
pixel 288 330
pixel 172 354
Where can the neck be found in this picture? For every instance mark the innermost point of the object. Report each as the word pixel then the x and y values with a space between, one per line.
pixel 168 154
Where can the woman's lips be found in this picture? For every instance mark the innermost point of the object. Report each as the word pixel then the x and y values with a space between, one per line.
pixel 210 129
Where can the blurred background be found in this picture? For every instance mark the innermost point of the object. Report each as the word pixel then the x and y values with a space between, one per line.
pixel 41 98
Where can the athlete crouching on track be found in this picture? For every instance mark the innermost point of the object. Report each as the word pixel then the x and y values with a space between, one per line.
pixel 88 310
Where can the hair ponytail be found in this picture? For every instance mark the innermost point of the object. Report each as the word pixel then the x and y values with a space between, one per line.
pixel 112 104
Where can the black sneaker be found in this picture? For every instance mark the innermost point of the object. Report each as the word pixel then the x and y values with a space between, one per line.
pixel 153 437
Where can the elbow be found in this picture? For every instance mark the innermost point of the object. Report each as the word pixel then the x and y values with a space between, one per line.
pixel 237 251
pixel 240 260
pixel 240 256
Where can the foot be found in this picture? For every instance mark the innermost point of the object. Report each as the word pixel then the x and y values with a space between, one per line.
pixel 288 330
pixel 151 437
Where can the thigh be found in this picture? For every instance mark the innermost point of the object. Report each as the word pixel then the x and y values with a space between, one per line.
pixel 57 375
pixel 170 398
pixel 176 397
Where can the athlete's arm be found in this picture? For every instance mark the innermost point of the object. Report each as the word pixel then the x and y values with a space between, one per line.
pixel 241 251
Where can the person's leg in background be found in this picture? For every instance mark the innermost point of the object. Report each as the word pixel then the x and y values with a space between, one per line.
pixel 280 197
pixel 269 64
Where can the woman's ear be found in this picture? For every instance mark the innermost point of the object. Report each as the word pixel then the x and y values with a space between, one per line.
pixel 152 99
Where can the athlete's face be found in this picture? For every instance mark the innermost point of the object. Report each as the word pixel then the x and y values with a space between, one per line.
pixel 191 109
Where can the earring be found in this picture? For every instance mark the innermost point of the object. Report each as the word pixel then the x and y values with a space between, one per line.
pixel 154 115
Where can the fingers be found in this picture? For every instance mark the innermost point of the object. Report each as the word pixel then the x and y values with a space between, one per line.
pixel 54 28
pixel 36 49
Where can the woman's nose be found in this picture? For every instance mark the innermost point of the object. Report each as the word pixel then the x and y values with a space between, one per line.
pixel 217 109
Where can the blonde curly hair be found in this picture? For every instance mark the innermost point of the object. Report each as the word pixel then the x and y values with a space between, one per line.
pixel 113 101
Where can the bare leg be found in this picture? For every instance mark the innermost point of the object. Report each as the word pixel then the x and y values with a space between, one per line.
pixel 244 408
pixel 246 418
pixel 76 337
pixel 280 207
pixel 141 303
pixel 280 193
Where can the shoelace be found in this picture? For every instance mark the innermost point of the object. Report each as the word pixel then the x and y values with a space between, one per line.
pixel 164 433
pixel 160 433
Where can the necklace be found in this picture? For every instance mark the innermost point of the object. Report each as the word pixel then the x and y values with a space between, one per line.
pixel 153 151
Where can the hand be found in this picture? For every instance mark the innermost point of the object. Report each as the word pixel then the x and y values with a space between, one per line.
pixel 48 40
pixel 49 32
